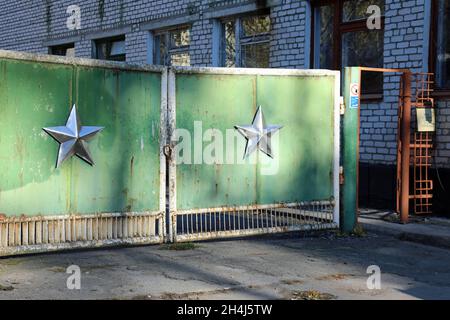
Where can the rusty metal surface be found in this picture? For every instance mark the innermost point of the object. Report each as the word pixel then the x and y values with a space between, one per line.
pixel 36 94
pixel 304 102
pixel 304 165
pixel 422 148
pixel 139 106
pixel 405 131
pixel 45 209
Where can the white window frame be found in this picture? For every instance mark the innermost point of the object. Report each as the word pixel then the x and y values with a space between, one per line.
pixel 166 33
pixel 241 40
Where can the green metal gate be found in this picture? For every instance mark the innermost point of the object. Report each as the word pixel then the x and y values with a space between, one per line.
pixel 120 200
pixel 185 119
pixel 224 196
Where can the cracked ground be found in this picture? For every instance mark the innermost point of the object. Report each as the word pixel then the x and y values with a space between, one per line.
pixel 323 266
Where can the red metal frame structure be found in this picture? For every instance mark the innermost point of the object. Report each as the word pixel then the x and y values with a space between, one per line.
pixel 404 138
pixel 422 144
pixel 422 148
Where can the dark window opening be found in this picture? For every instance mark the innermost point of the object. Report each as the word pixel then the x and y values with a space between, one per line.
pixel 110 49
pixel 440 45
pixel 246 41
pixel 66 50
pixel 343 39
pixel 172 47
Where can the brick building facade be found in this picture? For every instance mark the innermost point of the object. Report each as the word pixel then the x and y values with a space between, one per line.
pixel 414 34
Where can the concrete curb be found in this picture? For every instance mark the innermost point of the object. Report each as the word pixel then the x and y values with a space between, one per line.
pixel 436 236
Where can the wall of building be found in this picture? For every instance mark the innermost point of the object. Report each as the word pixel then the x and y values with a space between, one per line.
pixel 34 25
pixel 23 25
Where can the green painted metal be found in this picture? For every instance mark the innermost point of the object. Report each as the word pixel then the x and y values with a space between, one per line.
pixel 304 153
pixel 350 153
pixel 126 176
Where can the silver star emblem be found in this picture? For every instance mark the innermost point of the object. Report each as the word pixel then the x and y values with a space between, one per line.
pixel 73 139
pixel 258 135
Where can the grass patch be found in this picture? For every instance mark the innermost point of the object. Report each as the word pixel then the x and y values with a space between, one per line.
pixel 292 282
pixel 357 232
pixel 57 269
pixel 336 277
pixel 311 295
pixel 181 246
pixel 6 288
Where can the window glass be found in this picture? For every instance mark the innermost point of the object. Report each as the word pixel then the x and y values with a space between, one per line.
pixel 364 48
pixel 70 52
pixel 111 49
pixel 161 56
pixel 347 41
pixel 180 38
pixel 117 48
pixel 325 33
pixel 357 9
pixel 443 46
pixel 180 59
pixel 230 44
pixel 172 47
pixel 246 42
pixel 255 25
pixel 256 55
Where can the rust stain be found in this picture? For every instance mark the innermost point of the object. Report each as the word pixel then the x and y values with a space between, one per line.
pixel 132 166
pixel 21 178
pixel 19 146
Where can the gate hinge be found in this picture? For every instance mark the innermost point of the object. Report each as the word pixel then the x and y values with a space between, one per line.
pixel 341 106
pixel 341 175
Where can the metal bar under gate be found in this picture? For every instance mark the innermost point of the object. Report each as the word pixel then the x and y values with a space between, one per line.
pixel 228 220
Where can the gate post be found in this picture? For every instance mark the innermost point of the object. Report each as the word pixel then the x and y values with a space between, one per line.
pixel 171 218
pixel 405 146
pixel 350 149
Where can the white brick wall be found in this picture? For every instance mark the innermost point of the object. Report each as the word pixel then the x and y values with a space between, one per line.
pixel 289 35
pixel 443 134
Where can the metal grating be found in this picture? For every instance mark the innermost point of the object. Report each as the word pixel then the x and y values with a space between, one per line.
pixel 422 149
pixel 423 184
pixel 36 234
pixel 252 220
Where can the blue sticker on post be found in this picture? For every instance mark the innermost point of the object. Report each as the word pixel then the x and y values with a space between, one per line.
pixel 354 95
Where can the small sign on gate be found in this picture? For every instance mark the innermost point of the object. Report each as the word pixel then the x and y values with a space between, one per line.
pixel 354 95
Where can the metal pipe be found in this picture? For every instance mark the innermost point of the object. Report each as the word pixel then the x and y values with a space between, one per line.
pixel 406 145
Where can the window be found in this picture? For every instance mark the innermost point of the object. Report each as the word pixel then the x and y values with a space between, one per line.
pixel 110 49
pixel 67 50
pixel 172 47
pixel 440 45
pixel 246 42
pixel 342 39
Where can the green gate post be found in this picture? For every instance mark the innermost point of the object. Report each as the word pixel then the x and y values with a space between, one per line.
pixel 350 149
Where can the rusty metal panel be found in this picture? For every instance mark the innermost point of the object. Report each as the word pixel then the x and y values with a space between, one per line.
pixel 126 176
pixel 121 200
pixel 31 95
pixel 304 162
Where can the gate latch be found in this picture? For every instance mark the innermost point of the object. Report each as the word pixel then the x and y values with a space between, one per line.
pixel 168 151
pixel 341 176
